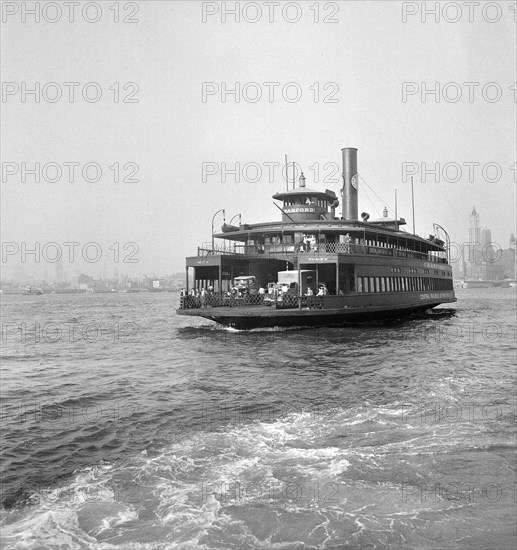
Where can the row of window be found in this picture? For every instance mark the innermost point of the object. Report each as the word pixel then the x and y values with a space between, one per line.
pixel 414 270
pixel 401 284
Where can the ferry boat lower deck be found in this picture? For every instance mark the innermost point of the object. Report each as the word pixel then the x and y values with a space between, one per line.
pixel 336 270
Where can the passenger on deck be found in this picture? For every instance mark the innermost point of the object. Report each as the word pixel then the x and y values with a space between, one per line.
pixel 347 240
pixel 309 291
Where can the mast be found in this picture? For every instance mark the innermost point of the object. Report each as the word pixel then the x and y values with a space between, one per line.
pixel 413 204
pixel 396 218
pixel 286 174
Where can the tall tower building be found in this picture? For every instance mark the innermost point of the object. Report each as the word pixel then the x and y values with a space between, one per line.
pixel 474 245
pixel 473 249
pixel 474 227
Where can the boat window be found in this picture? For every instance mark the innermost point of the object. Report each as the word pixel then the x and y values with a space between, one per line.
pixel 372 284
pixel 383 284
pixel 377 284
pixel 359 284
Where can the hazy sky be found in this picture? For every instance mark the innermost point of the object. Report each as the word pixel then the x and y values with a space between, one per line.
pixel 361 62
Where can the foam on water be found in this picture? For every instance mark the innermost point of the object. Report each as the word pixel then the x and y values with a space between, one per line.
pixel 159 475
pixel 227 483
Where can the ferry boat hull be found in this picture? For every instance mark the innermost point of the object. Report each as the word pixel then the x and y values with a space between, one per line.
pixel 250 318
pixel 256 316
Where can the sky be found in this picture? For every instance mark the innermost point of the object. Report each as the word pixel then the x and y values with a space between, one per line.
pixel 346 74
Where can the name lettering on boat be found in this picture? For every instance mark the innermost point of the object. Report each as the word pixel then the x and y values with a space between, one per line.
pixel 436 295
pixel 295 209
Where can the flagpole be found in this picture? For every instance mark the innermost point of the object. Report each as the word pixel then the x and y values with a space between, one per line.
pixel 413 204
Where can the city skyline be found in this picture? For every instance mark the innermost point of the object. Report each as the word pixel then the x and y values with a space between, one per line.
pixel 476 230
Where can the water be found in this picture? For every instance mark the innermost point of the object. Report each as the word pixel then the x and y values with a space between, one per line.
pixel 126 426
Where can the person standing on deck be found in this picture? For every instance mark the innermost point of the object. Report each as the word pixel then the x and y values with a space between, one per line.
pixel 347 240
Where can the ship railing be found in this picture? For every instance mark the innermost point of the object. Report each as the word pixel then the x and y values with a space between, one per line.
pixel 221 300
pixel 284 301
pixel 360 249
pixel 207 249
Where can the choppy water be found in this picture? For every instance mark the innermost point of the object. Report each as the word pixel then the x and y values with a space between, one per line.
pixel 126 426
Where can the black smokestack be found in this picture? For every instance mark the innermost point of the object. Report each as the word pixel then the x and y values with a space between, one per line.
pixel 350 183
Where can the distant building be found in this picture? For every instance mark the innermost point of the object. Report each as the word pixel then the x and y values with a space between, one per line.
pixel 484 259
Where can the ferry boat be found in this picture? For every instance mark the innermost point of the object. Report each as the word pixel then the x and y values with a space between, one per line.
pixel 313 268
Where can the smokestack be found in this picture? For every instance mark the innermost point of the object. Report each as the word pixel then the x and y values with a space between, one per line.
pixel 350 183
